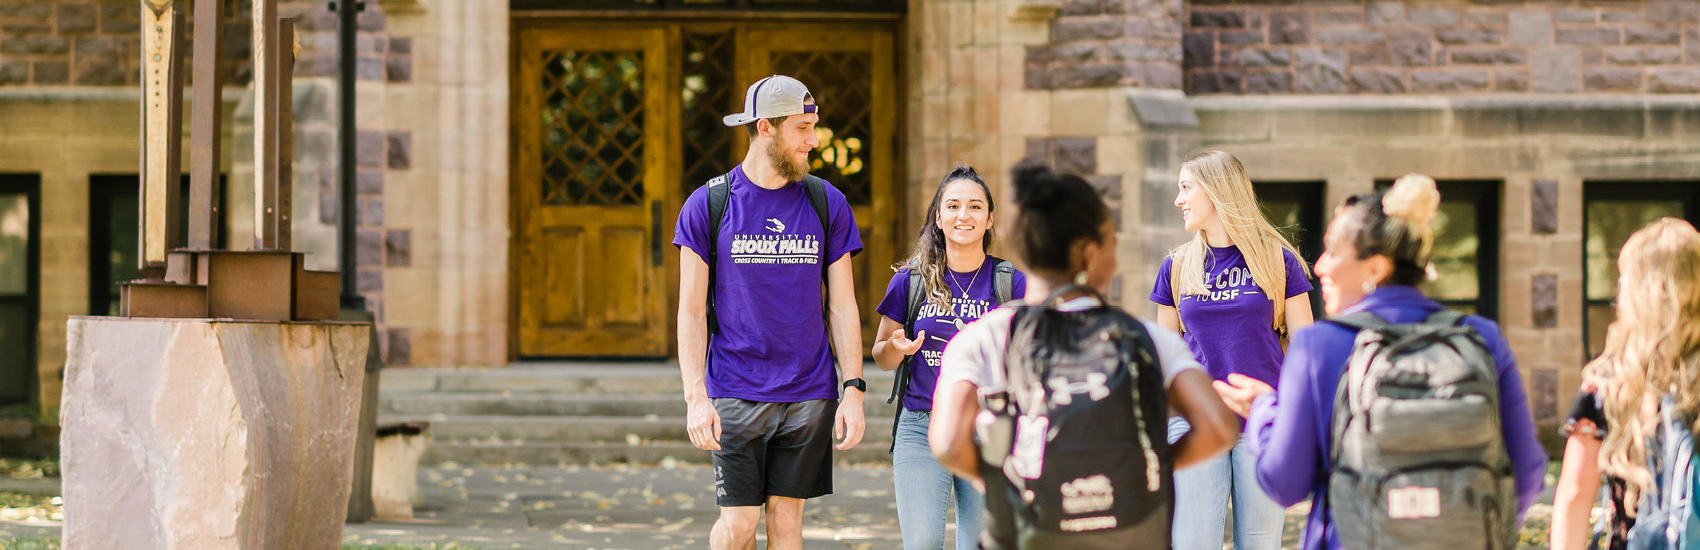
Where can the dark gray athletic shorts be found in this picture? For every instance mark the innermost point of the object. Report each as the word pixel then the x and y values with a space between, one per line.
pixel 773 449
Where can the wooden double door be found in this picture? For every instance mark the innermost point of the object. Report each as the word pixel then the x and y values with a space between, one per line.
pixel 616 123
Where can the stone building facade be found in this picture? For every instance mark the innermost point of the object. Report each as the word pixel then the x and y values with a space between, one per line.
pixel 1547 122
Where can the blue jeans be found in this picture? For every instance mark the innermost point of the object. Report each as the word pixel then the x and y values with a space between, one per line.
pixel 1201 501
pixel 924 491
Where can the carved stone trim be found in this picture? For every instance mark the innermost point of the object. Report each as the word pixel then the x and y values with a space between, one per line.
pixel 1036 10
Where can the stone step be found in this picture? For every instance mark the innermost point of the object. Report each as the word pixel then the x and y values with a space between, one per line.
pixel 469 453
pixel 579 429
pixel 426 404
pixel 576 379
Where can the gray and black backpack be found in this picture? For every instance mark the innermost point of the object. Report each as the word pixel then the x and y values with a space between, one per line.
pixel 1073 449
pixel 1665 516
pixel 1417 456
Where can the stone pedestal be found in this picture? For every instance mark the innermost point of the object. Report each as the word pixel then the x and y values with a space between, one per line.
pixel 209 434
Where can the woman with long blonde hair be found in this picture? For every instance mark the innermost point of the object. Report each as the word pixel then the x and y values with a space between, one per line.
pixel 1232 291
pixel 1652 352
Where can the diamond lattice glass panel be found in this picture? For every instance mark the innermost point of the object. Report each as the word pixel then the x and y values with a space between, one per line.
pixel 708 93
pixel 1610 223
pixel 842 83
pixel 592 127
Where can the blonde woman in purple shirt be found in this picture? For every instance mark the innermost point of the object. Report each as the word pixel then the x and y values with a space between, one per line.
pixel 1376 251
pixel 1230 291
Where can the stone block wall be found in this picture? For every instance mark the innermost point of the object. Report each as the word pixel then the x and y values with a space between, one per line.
pixel 1442 47
pixel 1102 43
pixel 1000 81
pixel 94 42
pixel 67 135
pixel 1541 149
pixel 441 124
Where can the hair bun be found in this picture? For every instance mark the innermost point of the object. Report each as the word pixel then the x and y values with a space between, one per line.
pixel 1414 199
pixel 1031 181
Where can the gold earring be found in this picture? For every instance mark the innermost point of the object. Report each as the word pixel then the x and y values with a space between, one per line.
pixel 1368 287
pixel 1080 278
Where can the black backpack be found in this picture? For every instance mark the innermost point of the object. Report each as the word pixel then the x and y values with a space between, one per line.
pixel 1418 458
pixel 1074 450
pixel 1003 286
pixel 719 193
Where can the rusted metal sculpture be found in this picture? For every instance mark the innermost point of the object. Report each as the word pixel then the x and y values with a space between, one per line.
pixel 266 283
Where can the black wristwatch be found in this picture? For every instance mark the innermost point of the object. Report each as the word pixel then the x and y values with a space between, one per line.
pixel 857 383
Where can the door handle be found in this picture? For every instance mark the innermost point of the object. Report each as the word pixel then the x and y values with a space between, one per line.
pixel 655 256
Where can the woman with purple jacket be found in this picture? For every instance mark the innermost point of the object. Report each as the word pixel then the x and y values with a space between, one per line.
pixel 1377 250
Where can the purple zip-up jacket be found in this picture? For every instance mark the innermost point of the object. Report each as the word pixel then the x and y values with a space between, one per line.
pixel 1289 429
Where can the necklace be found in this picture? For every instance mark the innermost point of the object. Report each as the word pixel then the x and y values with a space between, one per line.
pixel 964 289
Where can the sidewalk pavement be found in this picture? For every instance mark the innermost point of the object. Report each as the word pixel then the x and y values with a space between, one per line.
pixel 664 507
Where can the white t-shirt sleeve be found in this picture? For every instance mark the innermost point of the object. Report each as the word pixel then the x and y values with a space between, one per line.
pixel 975 355
pixel 1171 351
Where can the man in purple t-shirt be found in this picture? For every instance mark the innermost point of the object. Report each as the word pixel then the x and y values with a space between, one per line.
pixel 760 388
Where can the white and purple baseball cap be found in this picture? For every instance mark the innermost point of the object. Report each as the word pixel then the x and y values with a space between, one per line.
pixel 772 97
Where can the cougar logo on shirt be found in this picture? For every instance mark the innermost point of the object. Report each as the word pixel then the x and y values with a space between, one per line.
pixel 777 227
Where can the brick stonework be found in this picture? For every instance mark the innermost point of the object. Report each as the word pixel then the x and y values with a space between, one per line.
pixel 1109 43
pixel 95 42
pixel 98 43
pixel 1448 47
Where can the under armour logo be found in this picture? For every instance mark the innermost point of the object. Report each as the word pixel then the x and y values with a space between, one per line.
pixel 777 227
pixel 1095 387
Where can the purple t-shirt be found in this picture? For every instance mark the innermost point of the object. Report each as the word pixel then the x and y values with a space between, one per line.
pixel 939 324
pixel 772 346
pixel 1231 329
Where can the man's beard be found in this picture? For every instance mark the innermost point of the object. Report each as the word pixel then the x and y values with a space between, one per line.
pixel 780 154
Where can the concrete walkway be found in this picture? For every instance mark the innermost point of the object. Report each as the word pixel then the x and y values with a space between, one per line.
pixel 615 507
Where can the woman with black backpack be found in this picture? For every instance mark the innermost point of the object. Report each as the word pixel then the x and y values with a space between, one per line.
pixel 1405 423
pixel 1059 405
pixel 1638 402
pixel 948 282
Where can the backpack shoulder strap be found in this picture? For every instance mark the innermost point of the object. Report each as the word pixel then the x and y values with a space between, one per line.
pixel 1359 321
pixel 1003 281
pixel 1279 301
pixel 1445 318
pixel 917 296
pixel 815 188
pixel 1175 290
pixel 1145 347
pixel 719 193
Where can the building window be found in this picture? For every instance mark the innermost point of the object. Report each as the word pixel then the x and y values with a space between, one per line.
pixel 1466 246
pixel 893 7
pixel 113 228
pixel 1296 209
pixel 1612 211
pixel 20 272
